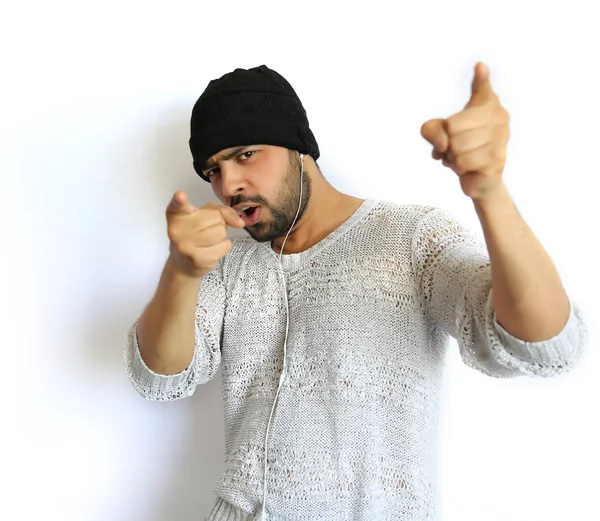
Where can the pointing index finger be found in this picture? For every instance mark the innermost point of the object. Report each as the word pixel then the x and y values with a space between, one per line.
pixel 481 88
pixel 180 204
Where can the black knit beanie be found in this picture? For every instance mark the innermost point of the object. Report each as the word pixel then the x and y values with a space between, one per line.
pixel 248 107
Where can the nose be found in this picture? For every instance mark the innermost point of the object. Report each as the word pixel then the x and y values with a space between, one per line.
pixel 232 181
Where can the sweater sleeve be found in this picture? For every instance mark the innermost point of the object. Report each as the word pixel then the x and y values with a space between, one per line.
pixel 205 362
pixel 453 268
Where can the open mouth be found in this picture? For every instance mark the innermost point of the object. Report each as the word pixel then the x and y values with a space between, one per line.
pixel 250 214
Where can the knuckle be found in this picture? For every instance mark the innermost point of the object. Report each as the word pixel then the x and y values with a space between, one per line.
pixel 172 231
pixel 451 125
pixel 211 215
pixel 460 162
pixel 216 253
pixel 453 146
pixel 221 233
pixel 223 249
pixel 499 154
pixel 185 248
pixel 200 261
pixel 227 245
pixel 502 115
pixel 213 210
pixel 214 234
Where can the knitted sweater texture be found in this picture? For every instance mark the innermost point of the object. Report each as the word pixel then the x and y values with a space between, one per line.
pixel 372 308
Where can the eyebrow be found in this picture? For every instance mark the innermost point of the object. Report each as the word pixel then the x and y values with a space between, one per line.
pixel 212 163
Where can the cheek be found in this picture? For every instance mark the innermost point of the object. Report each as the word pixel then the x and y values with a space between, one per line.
pixel 266 188
pixel 216 187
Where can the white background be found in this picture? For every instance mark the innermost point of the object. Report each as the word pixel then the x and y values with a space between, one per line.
pixel 94 115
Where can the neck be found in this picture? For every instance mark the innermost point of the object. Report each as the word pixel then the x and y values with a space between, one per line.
pixel 327 209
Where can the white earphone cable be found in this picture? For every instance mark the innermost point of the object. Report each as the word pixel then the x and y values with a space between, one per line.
pixel 287 325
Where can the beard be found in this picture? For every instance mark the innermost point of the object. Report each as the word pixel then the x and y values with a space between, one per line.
pixel 284 209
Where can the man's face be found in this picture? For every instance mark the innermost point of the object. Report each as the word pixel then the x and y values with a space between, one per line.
pixel 264 178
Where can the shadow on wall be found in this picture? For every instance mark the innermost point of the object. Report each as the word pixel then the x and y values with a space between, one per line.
pixel 173 168
pixel 198 461
pixel 123 287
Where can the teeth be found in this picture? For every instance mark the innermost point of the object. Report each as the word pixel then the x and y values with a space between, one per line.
pixel 244 208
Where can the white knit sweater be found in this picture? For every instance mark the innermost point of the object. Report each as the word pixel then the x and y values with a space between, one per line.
pixel 354 432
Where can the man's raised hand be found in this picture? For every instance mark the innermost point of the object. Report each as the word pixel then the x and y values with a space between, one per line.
pixel 198 236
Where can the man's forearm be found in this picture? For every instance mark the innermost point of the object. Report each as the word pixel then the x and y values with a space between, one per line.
pixel 166 329
pixel 529 299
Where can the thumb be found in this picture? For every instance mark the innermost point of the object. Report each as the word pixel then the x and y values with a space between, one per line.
pixel 481 88
pixel 180 204
pixel 231 217
pixel 434 131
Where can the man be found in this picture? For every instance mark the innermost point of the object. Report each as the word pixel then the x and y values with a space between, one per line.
pixel 331 321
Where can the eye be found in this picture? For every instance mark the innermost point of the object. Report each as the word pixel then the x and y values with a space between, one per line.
pixel 247 152
pixel 212 172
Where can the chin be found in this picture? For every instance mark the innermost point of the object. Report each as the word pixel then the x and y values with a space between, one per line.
pixel 264 234
pixel 256 233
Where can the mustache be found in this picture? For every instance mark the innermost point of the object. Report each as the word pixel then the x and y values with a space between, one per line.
pixel 242 199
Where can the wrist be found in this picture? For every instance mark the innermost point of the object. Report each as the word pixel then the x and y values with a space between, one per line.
pixel 174 273
pixel 496 198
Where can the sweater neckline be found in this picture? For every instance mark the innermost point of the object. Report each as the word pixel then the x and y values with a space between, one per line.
pixel 295 260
